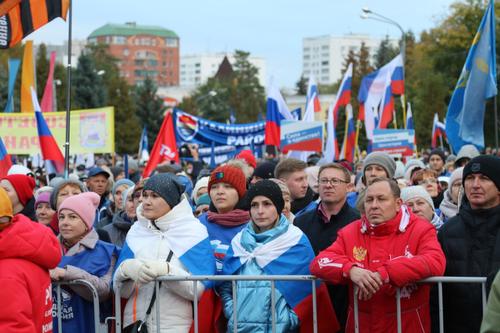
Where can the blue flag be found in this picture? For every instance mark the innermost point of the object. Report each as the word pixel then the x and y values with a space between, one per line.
pixel 477 83
pixel 13 69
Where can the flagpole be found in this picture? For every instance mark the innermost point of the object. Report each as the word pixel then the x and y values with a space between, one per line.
pixel 496 123
pixel 68 92
pixel 356 148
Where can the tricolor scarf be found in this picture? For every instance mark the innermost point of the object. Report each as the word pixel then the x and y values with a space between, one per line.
pixel 290 253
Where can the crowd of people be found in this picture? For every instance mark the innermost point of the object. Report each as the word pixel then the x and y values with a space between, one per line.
pixel 365 229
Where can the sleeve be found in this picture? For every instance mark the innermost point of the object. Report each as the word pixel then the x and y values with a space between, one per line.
pixel 491 319
pixel 184 289
pixel 333 264
pixel 18 315
pixel 428 261
pixel 101 284
pixel 226 296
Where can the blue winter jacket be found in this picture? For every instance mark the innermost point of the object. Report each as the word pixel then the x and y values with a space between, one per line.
pixel 254 297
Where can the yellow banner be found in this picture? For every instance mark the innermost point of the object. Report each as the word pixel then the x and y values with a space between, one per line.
pixel 92 131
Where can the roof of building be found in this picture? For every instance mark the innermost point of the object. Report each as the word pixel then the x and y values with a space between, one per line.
pixel 131 29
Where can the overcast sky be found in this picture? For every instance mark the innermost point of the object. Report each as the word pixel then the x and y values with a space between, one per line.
pixel 272 29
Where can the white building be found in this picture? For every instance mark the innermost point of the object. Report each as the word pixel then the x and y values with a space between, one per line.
pixel 324 56
pixel 77 47
pixel 196 69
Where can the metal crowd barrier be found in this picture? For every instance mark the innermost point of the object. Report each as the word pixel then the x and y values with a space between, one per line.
pixel 233 279
pixel 95 301
pixel 437 279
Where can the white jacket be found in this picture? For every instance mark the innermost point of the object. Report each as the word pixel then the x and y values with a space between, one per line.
pixel 175 298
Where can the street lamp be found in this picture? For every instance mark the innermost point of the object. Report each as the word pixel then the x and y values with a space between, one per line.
pixel 211 93
pixel 369 14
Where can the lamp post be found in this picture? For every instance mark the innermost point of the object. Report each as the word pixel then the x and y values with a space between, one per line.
pixel 369 14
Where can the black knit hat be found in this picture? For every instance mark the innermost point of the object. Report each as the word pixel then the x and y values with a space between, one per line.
pixel 264 170
pixel 268 189
pixel 487 165
pixel 166 186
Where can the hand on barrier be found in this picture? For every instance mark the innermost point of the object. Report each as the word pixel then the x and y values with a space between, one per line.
pixel 152 269
pixel 368 282
pixel 57 274
pixel 130 268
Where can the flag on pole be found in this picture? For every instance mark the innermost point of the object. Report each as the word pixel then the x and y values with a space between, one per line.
pixel 477 83
pixel 232 117
pixel 349 144
pixel 386 109
pixel 20 18
pixel 308 117
pixel 277 110
pixel 13 65
pixel 5 161
pixel 343 94
pixel 313 94
pixel 27 78
pixel 48 145
pixel 165 147
pixel 48 93
pixel 374 87
pixel 409 118
pixel 144 146
pixel 331 152
pixel 438 130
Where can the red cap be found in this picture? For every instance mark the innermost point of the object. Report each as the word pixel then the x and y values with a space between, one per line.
pixel 248 157
pixel 230 175
pixel 24 186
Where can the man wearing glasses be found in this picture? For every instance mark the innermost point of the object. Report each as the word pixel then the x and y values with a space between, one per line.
pixel 322 224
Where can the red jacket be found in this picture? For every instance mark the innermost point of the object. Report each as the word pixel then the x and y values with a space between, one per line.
pixel 403 250
pixel 27 251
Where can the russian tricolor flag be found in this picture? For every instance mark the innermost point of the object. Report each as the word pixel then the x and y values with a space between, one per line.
pixel 438 130
pixel 331 151
pixel 409 118
pixel 387 106
pixel 48 145
pixel 277 110
pixel 288 254
pixel 5 161
pixel 349 145
pixel 344 93
pixel 313 94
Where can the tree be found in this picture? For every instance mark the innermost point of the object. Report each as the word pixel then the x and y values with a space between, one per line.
pixel 385 53
pixel 301 85
pixel 149 108
pixel 90 91
pixel 42 69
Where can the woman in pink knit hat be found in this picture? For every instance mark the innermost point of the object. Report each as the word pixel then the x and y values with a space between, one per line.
pixel 85 257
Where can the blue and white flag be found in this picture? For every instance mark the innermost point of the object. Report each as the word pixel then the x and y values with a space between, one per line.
pixel 477 83
pixel 144 146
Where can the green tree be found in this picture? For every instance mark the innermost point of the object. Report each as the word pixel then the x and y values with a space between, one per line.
pixel 42 69
pixel 89 89
pixel 301 85
pixel 149 108
pixel 385 53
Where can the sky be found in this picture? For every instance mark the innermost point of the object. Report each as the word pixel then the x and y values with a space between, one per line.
pixel 272 29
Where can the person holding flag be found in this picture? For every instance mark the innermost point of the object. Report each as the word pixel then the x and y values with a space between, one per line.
pixel 270 245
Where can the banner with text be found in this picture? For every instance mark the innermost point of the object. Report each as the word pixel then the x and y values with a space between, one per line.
pixel 395 142
pixel 92 131
pixel 302 136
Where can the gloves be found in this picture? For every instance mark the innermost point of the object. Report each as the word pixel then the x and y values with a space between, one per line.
pixel 152 269
pixel 130 268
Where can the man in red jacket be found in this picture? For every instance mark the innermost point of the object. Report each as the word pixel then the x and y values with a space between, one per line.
pixel 27 251
pixel 387 248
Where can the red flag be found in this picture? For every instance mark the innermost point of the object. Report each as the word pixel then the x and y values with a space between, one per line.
pixel 165 147
pixel 48 93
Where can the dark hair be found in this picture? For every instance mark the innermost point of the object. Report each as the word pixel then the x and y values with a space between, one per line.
pixel 395 190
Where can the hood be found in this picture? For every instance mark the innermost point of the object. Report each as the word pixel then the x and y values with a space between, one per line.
pixel 28 240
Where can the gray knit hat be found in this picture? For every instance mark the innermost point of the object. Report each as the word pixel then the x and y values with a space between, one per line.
pixel 382 159
pixel 166 186
pixel 467 151
pixel 456 175
pixel 418 191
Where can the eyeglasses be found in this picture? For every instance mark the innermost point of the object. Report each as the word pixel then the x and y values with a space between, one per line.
pixel 428 181
pixel 333 181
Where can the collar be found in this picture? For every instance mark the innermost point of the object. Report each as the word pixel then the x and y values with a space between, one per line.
pixel 163 223
pixel 397 223
pixel 324 215
pixel 89 241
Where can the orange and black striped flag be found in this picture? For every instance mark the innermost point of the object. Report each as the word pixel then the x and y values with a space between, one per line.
pixel 19 18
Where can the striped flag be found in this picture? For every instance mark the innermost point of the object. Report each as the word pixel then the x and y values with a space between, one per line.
pixel 331 152
pixel 19 18
pixel 277 110
pixel 438 130
pixel 344 93
pixel 51 153
pixel 349 144
pixel 313 94
pixel 5 161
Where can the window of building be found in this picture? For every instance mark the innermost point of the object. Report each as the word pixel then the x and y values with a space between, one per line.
pixel 153 42
pixel 171 42
pixel 120 40
pixel 307 57
pixel 307 49
pixel 197 64
pixel 325 78
pixel 139 62
pixel 152 62
pixel 324 47
pixel 324 70
pixel 324 62
pixel 126 52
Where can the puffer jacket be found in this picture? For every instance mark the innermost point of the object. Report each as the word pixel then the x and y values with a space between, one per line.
pixel 254 297
pixel 175 297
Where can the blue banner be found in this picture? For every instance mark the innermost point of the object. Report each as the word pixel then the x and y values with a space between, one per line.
pixel 13 69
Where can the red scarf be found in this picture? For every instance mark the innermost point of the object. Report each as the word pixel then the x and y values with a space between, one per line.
pixel 234 218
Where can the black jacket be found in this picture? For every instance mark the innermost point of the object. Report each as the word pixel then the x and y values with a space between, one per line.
pixel 322 235
pixel 299 204
pixel 471 244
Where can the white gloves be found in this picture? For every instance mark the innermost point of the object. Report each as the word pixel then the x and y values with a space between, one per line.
pixel 144 271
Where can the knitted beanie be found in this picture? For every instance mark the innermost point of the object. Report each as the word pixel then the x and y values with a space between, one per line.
pixel 487 165
pixel 382 159
pixel 438 152
pixel 264 170
pixel 268 189
pixel 59 185
pixel 24 186
pixel 203 199
pixel 418 191
pixel 5 204
pixel 123 181
pixel 467 151
pixel 43 197
pixel 411 165
pixel 248 157
pixel 166 186
pixel 230 175
pixel 456 175
pixel 84 205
